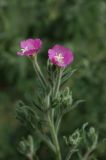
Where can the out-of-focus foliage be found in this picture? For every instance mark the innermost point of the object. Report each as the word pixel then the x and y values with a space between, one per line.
pixel 78 24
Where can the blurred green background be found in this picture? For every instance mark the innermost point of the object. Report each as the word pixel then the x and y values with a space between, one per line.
pixel 78 24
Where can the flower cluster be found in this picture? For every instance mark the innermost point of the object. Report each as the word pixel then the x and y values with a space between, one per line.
pixel 58 54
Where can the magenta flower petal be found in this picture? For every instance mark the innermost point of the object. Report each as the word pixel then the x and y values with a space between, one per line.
pixel 60 56
pixel 30 47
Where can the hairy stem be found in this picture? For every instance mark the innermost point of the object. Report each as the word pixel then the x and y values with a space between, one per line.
pixel 53 131
pixel 30 158
pixel 90 150
pixel 70 153
pixel 46 140
pixel 39 72
pixel 54 139
pixel 58 82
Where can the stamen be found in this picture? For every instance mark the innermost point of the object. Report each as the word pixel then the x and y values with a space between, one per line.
pixel 24 49
pixel 59 58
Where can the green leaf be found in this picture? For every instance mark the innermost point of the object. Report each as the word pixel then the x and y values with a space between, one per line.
pixel 67 74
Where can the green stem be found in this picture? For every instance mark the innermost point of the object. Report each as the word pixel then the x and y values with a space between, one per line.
pixel 79 156
pixel 58 82
pixel 46 140
pixel 38 72
pixel 53 132
pixel 30 157
pixel 91 149
pixel 70 153
pixel 54 139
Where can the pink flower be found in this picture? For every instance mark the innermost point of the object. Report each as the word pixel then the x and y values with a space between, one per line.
pixel 30 47
pixel 60 56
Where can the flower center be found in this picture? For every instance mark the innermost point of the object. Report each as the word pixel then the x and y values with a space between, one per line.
pixel 24 49
pixel 59 58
